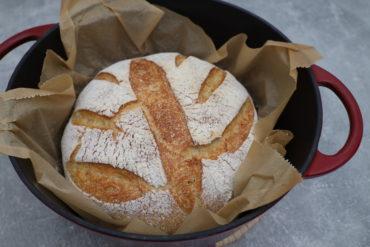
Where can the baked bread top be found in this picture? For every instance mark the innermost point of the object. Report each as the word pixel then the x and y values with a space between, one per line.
pixel 151 136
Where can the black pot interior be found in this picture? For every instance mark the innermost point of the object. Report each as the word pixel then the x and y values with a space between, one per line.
pixel 221 21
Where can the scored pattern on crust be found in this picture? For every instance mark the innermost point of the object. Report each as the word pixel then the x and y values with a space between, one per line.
pixel 179 59
pixel 94 120
pixel 104 98
pixel 168 125
pixel 156 106
pixel 130 145
pixel 107 77
pixel 214 79
pixel 232 138
pixel 115 185
pixel 206 121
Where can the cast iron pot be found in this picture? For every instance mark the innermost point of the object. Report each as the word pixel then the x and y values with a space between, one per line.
pixel 305 107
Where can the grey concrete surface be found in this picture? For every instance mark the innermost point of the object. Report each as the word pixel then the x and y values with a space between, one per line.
pixel 333 210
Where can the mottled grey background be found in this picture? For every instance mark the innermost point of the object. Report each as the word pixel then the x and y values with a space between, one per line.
pixel 333 210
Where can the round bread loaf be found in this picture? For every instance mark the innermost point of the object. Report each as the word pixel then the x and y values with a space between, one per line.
pixel 151 136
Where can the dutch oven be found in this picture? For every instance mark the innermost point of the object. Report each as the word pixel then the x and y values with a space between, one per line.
pixel 304 106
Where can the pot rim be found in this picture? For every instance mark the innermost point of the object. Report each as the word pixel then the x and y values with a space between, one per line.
pixel 179 237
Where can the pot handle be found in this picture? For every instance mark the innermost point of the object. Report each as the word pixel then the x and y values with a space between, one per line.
pixel 323 163
pixel 18 39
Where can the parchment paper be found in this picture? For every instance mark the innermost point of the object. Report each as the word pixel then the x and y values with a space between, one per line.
pixel 97 33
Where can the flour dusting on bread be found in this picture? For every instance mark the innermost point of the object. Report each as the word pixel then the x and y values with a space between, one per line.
pixel 180 125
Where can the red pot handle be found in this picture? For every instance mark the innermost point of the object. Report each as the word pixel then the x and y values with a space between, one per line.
pixel 34 33
pixel 323 163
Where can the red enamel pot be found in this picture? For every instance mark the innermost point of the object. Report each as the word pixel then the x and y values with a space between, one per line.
pixel 305 107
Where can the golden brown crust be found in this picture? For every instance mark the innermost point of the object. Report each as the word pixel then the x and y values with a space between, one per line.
pixel 179 59
pixel 232 138
pixel 214 79
pixel 107 183
pixel 94 120
pixel 104 182
pixel 107 77
pixel 168 124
